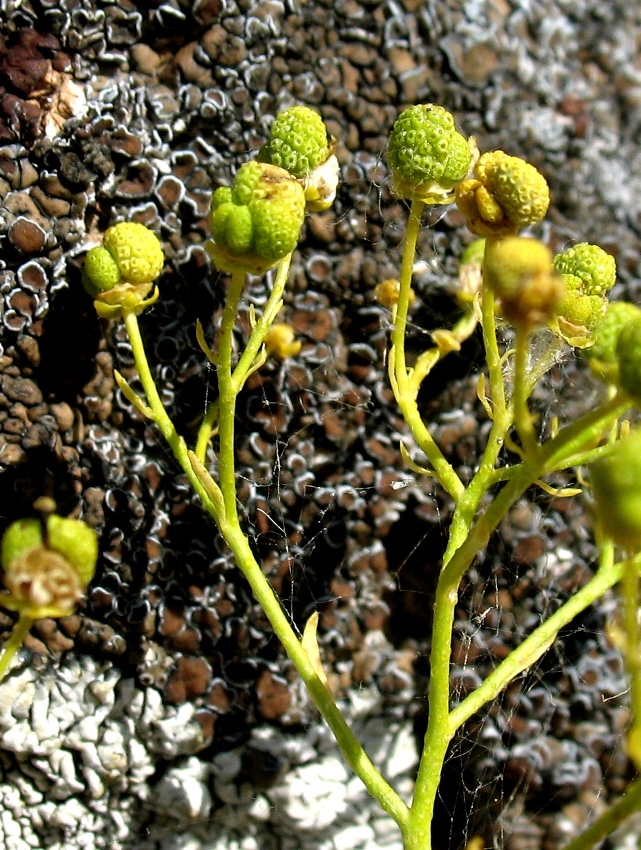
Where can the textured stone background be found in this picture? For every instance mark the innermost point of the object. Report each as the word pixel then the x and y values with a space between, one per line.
pixel 164 715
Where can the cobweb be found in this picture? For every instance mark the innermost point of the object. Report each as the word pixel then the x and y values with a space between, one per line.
pixel 545 757
pixel 342 527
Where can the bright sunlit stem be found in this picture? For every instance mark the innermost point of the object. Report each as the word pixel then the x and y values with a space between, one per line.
pixel 249 356
pixel 630 593
pixel 19 633
pixel 227 393
pixel 400 379
pixel 160 416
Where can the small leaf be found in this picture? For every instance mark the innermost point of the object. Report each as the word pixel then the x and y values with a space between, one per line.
pixel 482 396
pixel 208 352
pixel 132 397
pixel 207 482
pixel 310 645
pixel 561 493
pixel 445 341
pixel 407 460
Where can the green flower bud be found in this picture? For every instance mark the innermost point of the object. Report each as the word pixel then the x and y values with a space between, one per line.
pixel 628 352
pixel 21 536
pixel 298 141
pixel 505 195
pixel 136 250
pixel 595 268
pixel 579 314
pixel 46 569
pixel 426 154
pixel 520 273
pixel 77 542
pixel 100 272
pixel 602 355
pixel 256 222
pixel 119 274
pixel 616 480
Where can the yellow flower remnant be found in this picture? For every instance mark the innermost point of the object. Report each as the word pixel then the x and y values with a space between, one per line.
pixel 505 195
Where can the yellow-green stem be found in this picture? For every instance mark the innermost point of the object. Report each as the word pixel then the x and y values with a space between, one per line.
pixel 323 699
pixel 612 818
pixel 229 526
pixel 533 647
pixel 404 395
pixel 468 504
pixel 206 430
pixel 272 307
pixel 162 420
pixel 630 593
pixel 492 354
pixel 19 633
pixel 439 730
pixel 227 393
pixel 248 357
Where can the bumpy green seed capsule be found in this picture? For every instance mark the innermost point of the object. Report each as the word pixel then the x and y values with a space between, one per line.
pixel 76 541
pixel 595 268
pixel 21 536
pixel 616 480
pixel 426 154
pixel 298 141
pixel 256 222
pixel 628 352
pixel 505 195
pixel 602 356
pixel 120 274
pixel 100 272
pixel 579 313
pixel 46 569
pixel 136 251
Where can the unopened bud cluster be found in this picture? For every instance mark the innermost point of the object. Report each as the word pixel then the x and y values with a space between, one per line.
pixel 505 195
pixel 588 273
pixel 47 565
pixel 119 274
pixel 426 154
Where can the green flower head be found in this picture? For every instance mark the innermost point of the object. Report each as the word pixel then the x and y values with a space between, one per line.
pixel 628 352
pixel 47 566
pixel 602 356
pixel 257 221
pixel 505 195
pixel 298 141
pixel 136 251
pixel 119 274
pixel 595 268
pixel 427 156
pixel 579 313
pixel 100 272
pixel 616 481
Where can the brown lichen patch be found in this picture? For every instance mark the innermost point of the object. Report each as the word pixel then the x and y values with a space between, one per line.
pixel 189 678
pixel 272 693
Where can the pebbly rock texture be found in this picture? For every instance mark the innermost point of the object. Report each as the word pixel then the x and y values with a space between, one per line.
pixel 139 111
